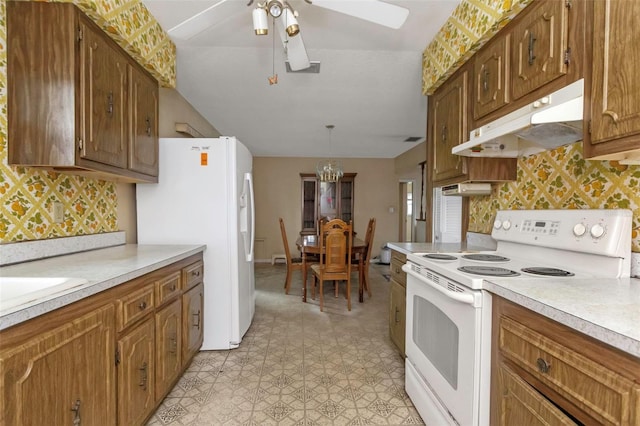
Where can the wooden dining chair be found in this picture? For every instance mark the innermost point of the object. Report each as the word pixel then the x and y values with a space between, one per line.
pixel 335 258
pixel 293 264
pixel 366 257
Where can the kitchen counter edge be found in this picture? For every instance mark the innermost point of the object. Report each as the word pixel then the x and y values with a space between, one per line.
pixel 103 268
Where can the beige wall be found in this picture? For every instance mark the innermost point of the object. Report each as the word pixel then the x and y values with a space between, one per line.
pixel 278 194
pixel 173 109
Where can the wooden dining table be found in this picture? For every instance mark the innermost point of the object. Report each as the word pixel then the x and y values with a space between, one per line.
pixel 310 245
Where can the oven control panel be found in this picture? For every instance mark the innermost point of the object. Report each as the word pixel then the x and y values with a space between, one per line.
pixel 598 231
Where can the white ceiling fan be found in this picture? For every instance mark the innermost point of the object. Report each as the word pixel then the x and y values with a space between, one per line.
pixel 285 16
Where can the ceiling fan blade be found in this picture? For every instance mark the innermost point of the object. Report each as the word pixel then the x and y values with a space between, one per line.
pixel 375 11
pixel 197 23
pixel 294 46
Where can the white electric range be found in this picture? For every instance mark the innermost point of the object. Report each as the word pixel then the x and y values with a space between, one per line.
pixel 448 332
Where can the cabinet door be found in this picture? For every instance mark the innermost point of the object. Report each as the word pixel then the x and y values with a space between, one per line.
pixel 449 127
pixel 62 375
pixel 397 301
pixel 520 404
pixel 539 44
pixel 143 149
pixel 490 77
pixel 615 95
pixel 168 342
pixel 192 330
pixel 136 391
pixel 103 100
pixel 309 205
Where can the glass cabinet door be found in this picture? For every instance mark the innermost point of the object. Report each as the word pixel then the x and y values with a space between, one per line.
pixel 309 210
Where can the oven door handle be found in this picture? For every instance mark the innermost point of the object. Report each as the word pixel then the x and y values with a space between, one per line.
pixel 466 298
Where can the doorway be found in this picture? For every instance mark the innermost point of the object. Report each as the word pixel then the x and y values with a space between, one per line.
pixel 406 211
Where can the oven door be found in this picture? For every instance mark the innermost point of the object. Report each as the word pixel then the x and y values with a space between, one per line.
pixel 448 343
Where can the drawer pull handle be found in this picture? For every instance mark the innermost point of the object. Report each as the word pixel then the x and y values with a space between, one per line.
pixel 173 288
pixel 143 376
pixel 143 305
pixel 196 318
pixel 76 412
pixel 543 366
pixel 196 273
pixel 396 315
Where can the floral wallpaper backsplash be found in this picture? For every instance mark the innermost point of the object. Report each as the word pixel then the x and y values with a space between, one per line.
pixel 90 206
pixel 471 24
pixel 563 179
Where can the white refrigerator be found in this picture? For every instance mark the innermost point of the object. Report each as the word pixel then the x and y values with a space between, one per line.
pixel 205 196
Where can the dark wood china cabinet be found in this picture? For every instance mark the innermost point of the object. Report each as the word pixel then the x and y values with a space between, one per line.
pixel 326 200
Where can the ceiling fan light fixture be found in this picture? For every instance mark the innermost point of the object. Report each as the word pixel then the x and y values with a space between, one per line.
pixel 290 22
pixel 275 8
pixel 260 24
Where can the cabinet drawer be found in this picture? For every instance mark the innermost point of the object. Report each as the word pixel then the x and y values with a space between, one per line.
pixel 167 288
pixel 397 274
pixel 192 275
pixel 134 306
pixel 602 393
pixel 520 404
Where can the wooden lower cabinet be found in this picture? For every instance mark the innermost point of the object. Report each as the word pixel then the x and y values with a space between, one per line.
pixel 548 374
pixel 62 375
pixel 136 374
pixel 397 300
pixel 168 346
pixel 192 327
pixel 397 313
pixel 108 359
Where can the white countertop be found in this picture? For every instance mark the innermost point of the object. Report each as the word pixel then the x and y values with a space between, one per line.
pixel 605 309
pixel 103 269
pixel 408 248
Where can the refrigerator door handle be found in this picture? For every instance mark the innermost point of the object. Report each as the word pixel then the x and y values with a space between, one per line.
pixel 251 212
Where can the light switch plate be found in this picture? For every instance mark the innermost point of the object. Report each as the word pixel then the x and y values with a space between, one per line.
pixel 58 212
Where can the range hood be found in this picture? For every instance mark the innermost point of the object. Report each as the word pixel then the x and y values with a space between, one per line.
pixel 467 189
pixel 547 123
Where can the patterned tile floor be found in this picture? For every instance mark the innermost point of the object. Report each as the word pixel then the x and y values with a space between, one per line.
pixel 299 366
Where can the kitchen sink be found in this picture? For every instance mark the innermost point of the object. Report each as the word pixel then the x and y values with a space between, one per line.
pixel 15 291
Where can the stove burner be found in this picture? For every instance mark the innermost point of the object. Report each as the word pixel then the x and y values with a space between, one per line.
pixel 439 256
pixel 550 272
pixel 483 257
pixel 489 271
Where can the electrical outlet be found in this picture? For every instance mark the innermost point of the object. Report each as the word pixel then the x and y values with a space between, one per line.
pixel 58 212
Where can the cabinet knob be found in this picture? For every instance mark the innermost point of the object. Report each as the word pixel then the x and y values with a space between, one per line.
pixel 543 366
pixel 173 288
pixel 143 305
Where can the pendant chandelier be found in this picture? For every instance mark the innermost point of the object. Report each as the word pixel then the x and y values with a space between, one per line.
pixel 329 170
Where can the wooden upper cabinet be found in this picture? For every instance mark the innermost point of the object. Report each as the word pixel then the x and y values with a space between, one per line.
pixel 143 91
pixel 449 128
pixel 539 43
pixel 615 86
pixel 76 101
pixel 490 72
pixel 103 84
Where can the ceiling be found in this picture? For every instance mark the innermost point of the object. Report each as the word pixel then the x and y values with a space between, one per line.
pixel 369 85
